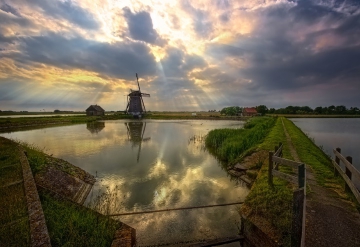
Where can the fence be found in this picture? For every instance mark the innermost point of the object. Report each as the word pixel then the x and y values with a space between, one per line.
pixel 350 175
pixel 299 195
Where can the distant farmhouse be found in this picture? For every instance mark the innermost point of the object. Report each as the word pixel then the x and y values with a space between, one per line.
pixel 95 110
pixel 249 112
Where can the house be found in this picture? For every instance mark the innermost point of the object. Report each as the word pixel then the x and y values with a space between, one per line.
pixel 249 112
pixel 95 110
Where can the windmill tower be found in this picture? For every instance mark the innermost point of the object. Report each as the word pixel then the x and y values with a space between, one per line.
pixel 135 105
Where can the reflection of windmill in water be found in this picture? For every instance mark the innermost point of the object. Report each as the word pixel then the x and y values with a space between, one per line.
pixel 136 132
pixel 135 105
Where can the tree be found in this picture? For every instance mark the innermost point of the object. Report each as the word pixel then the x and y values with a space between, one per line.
pixel 262 109
pixel 230 111
pixel 318 110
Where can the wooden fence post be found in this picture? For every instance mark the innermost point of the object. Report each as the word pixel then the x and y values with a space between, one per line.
pixel 280 154
pixel 275 165
pixel 297 217
pixel 337 161
pixel 270 178
pixel 301 175
pixel 348 173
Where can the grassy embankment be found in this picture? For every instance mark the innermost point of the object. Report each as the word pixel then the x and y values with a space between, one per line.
pixel 14 221
pixel 263 202
pixel 68 224
pixel 271 207
pixel 313 116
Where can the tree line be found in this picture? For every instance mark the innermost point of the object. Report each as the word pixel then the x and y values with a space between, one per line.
pixel 327 110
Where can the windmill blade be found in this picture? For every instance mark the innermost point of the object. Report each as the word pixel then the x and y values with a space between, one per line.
pixel 128 104
pixel 145 95
pixel 143 104
pixel 137 79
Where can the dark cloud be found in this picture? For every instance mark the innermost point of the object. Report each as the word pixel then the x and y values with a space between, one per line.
pixel 5 39
pixel 68 11
pixel 9 9
pixel 277 62
pixel 141 26
pixel 7 19
pixel 119 60
pixel 224 17
pixel 177 63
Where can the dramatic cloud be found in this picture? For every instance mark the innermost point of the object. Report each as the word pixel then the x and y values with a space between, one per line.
pixel 141 26
pixel 190 55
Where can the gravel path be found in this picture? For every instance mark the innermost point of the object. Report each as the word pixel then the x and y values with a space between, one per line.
pixel 330 220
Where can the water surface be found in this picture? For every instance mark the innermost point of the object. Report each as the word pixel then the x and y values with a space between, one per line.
pixel 151 165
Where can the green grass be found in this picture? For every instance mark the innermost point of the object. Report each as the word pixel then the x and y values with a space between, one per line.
pixel 14 222
pixel 272 204
pixel 231 144
pixel 72 225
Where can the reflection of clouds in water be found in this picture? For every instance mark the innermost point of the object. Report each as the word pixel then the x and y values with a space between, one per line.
pixel 172 172
pixel 181 175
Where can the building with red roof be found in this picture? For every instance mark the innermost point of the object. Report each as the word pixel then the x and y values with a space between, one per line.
pixel 249 112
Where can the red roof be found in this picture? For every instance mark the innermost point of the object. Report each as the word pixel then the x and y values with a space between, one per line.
pixel 250 110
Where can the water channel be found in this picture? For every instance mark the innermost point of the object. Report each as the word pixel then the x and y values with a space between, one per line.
pixel 151 165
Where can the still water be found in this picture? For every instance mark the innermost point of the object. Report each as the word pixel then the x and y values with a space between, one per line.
pixel 151 165
pixel 331 133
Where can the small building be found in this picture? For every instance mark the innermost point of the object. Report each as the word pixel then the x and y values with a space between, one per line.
pixel 249 112
pixel 95 110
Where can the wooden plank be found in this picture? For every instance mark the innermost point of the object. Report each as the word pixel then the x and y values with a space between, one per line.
pixel 354 171
pixel 278 151
pixel 270 174
pixel 219 241
pixel 285 176
pixel 175 209
pixel 286 162
pixel 348 181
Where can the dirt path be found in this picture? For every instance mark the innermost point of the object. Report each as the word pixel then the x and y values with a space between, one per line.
pixel 330 220
pixel 291 146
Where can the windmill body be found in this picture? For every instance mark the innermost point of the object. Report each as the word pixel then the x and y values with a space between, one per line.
pixel 136 105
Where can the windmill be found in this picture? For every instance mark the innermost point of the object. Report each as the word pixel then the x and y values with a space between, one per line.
pixel 135 105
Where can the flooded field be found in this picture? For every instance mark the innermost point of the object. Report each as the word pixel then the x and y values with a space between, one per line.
pixel 151 165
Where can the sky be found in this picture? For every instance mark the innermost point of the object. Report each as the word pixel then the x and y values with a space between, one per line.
pixel 189 55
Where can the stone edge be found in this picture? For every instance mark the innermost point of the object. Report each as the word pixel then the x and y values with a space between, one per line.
pixel 39 234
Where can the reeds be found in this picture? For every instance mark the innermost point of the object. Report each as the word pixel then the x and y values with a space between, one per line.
pixel 229 144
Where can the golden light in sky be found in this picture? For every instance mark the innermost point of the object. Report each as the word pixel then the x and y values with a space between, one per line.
pixel 204 49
